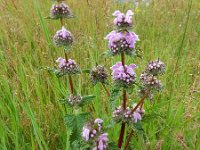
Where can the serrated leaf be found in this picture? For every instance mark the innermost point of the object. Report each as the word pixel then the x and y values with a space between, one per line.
pixel 115 92
pixel 75 124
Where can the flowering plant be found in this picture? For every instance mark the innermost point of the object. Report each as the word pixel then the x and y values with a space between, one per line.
pixel 90 133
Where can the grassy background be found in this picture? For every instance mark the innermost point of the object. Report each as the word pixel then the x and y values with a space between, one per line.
pixel 30 115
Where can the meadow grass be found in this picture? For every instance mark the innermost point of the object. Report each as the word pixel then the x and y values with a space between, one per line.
pixel 31 116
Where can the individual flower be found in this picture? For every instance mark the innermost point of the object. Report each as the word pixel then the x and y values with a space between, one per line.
pixel 155 68
pixel 123 20
pixel 99 74
pixel 150 82
pixel 88 132
pixel 137 114
pixel 60 11
pixel 63 38
pixel 92 129
pixel 68 67
pixel 122 42
pixel 74 100
pixel 102 142
pixel 123 75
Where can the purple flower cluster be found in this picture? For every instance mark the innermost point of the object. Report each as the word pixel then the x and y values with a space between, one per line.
pixel 123 20
pixel 155 68
pixel 99 74
pixel 74 100
pixel 60 11
pixel 123 75
pixel 102 142
pixel 122 42
pixel 127 115
pixel 93 132
pixel 69 66
pixel 63 38
pixel 150 81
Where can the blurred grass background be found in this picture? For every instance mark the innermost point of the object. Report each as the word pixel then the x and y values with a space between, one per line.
pixel 30 114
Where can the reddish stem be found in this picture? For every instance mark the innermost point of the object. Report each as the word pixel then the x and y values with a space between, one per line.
pixel 123 58
pixel 71 84
pixel 121 136
pixel 141 103
pixel 128 140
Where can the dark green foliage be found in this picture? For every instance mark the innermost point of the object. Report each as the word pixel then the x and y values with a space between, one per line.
pixel 86 100
pixel 115 93
pixel 75 123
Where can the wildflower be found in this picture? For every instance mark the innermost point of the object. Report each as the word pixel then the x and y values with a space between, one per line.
pixel 123 20
pixel 99 74
pixel 92 129
pixel 63 38
pixel 74 100
pixel 119 42
pixel 102 142
pixel 137 114
pixel 150 82
pixel 123 75
pixel 127 115
pixel 155 68
pixel 69 66
pixel 118 114
pixel 86 133
pixel 60 11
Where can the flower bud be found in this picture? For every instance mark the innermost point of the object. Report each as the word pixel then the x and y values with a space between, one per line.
pixel 150 82
pixel 74 100
pixel 123 20
pixel 99 74
pixel 155 68
pixel 60 11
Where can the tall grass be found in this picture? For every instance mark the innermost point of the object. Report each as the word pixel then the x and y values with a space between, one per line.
pixel 30 114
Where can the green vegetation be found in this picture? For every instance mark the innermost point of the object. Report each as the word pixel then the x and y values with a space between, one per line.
pixel 31 116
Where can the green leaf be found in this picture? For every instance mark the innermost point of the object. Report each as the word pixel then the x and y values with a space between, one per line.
pixel 57 72
pixel 115 92
pixel 87 99
pixel 75 124
pixel 138 128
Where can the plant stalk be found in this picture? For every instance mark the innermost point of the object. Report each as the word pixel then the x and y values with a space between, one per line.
pixel 121 136
pixel 66 57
